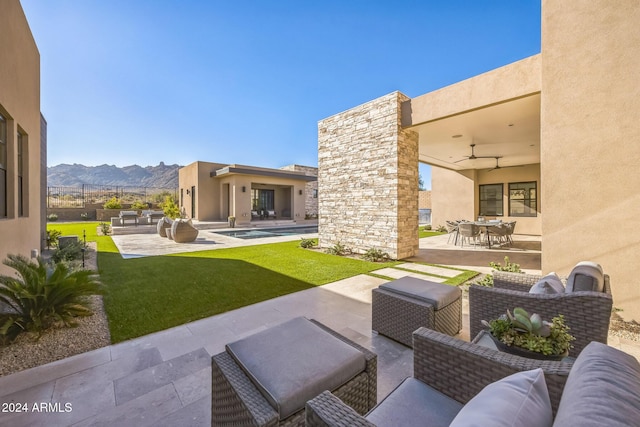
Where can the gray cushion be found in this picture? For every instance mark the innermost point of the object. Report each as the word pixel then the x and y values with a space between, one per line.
pixel 521 399
pixel 586 276
pixel 436 294
pixel 294 362
pixel 414 403
pixel 603 389
pixel 549 284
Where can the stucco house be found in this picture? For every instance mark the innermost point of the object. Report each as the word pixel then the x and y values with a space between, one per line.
pixel 560 134
pixel 22 138
pixel 215 191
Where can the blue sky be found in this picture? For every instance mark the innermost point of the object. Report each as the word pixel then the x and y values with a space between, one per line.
pixel 143 81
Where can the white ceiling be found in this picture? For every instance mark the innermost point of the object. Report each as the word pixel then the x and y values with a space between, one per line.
pixel 510 129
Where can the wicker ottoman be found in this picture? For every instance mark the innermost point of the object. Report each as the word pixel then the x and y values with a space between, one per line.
pixel 266 379
pixel 402 306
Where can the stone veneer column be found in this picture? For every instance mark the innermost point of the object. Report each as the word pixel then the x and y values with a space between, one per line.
pixel 368 179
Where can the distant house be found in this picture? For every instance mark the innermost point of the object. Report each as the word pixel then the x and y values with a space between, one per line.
pixel 22 138
pixel 215 191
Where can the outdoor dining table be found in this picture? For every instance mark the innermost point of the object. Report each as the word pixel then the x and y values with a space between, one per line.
pixel 486 225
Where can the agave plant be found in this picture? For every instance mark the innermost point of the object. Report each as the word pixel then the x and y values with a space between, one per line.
pixel 41 294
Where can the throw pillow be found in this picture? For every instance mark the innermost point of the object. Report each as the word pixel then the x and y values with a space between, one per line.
pixel 586 276
pixel 521 399
pixel 549 284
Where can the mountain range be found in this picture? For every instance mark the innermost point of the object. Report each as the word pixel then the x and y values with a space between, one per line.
pixel 65 175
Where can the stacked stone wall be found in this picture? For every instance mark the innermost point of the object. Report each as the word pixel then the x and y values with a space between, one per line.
pixel 368 179
pixel 310 189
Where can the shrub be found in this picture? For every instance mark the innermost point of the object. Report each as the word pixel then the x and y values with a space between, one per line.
pixel 509 266
pixel 441 229
pixel 105 228
pixel 41 294
pixel 113 203
pixel 375 255
pixel 307 243
pixel 138 206
pixel 170 208
pixel 52 217
pixel 70 252
pixel 52 238
pixel 427 227
pixel 338 249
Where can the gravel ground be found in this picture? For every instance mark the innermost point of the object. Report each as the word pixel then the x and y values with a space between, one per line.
pixel 91 333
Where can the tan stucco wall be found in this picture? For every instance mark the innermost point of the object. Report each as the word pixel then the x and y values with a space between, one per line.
pixel 208 191
pixel 521 78
pixel 424 199
pixel 590 140
pixel 452 195
pixel 20 105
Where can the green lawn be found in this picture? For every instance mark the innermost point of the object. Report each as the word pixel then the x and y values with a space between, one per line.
pixel 150 294
pixel 427 233
pixel 145 295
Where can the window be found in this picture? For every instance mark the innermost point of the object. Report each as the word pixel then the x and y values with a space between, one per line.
pixel 262 199
pixel 523 199
pixel 22 174
pixel 491 203
pixel 3 167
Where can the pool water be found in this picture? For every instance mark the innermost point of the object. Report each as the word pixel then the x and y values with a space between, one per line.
pixel 268 232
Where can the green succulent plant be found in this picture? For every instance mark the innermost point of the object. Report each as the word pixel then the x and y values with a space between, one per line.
pixel 531 332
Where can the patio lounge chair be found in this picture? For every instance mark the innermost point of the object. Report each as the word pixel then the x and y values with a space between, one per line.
pixel 182 231
pixel 454 379
pixel 162 226
pixel 270 214
pixel 587 313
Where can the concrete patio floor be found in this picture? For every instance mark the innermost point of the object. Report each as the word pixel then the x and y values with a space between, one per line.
pixel 164 379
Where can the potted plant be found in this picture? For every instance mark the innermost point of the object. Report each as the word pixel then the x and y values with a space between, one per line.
pixel 530 336
pixel 232 221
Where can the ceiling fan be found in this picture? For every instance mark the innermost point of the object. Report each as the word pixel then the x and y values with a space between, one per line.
pixel 473 155
pixel 502 167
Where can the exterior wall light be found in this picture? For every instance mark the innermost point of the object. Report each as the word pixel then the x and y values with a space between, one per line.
pixel 300 192
pixel 244 189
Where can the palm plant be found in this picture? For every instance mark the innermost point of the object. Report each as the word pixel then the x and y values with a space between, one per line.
pixel 41 294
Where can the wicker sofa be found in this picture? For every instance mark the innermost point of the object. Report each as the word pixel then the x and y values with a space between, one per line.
pixel 587 313
pixel 602 387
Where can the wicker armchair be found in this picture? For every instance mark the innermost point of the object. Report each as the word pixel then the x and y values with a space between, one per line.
pixel 586 313
pixel 237 401
pixel 450 366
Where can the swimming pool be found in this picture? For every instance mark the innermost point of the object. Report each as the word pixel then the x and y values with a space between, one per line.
pixel 268 232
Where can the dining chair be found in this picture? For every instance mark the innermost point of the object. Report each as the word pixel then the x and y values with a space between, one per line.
pixel 468 231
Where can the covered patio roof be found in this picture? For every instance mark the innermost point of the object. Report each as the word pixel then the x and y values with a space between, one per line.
pixel 498 111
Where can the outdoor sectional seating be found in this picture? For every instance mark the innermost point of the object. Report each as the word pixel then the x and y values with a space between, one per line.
pixel 587 313
pixel 460 383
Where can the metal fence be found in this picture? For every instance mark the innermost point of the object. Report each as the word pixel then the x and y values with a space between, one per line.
pixel 88 194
